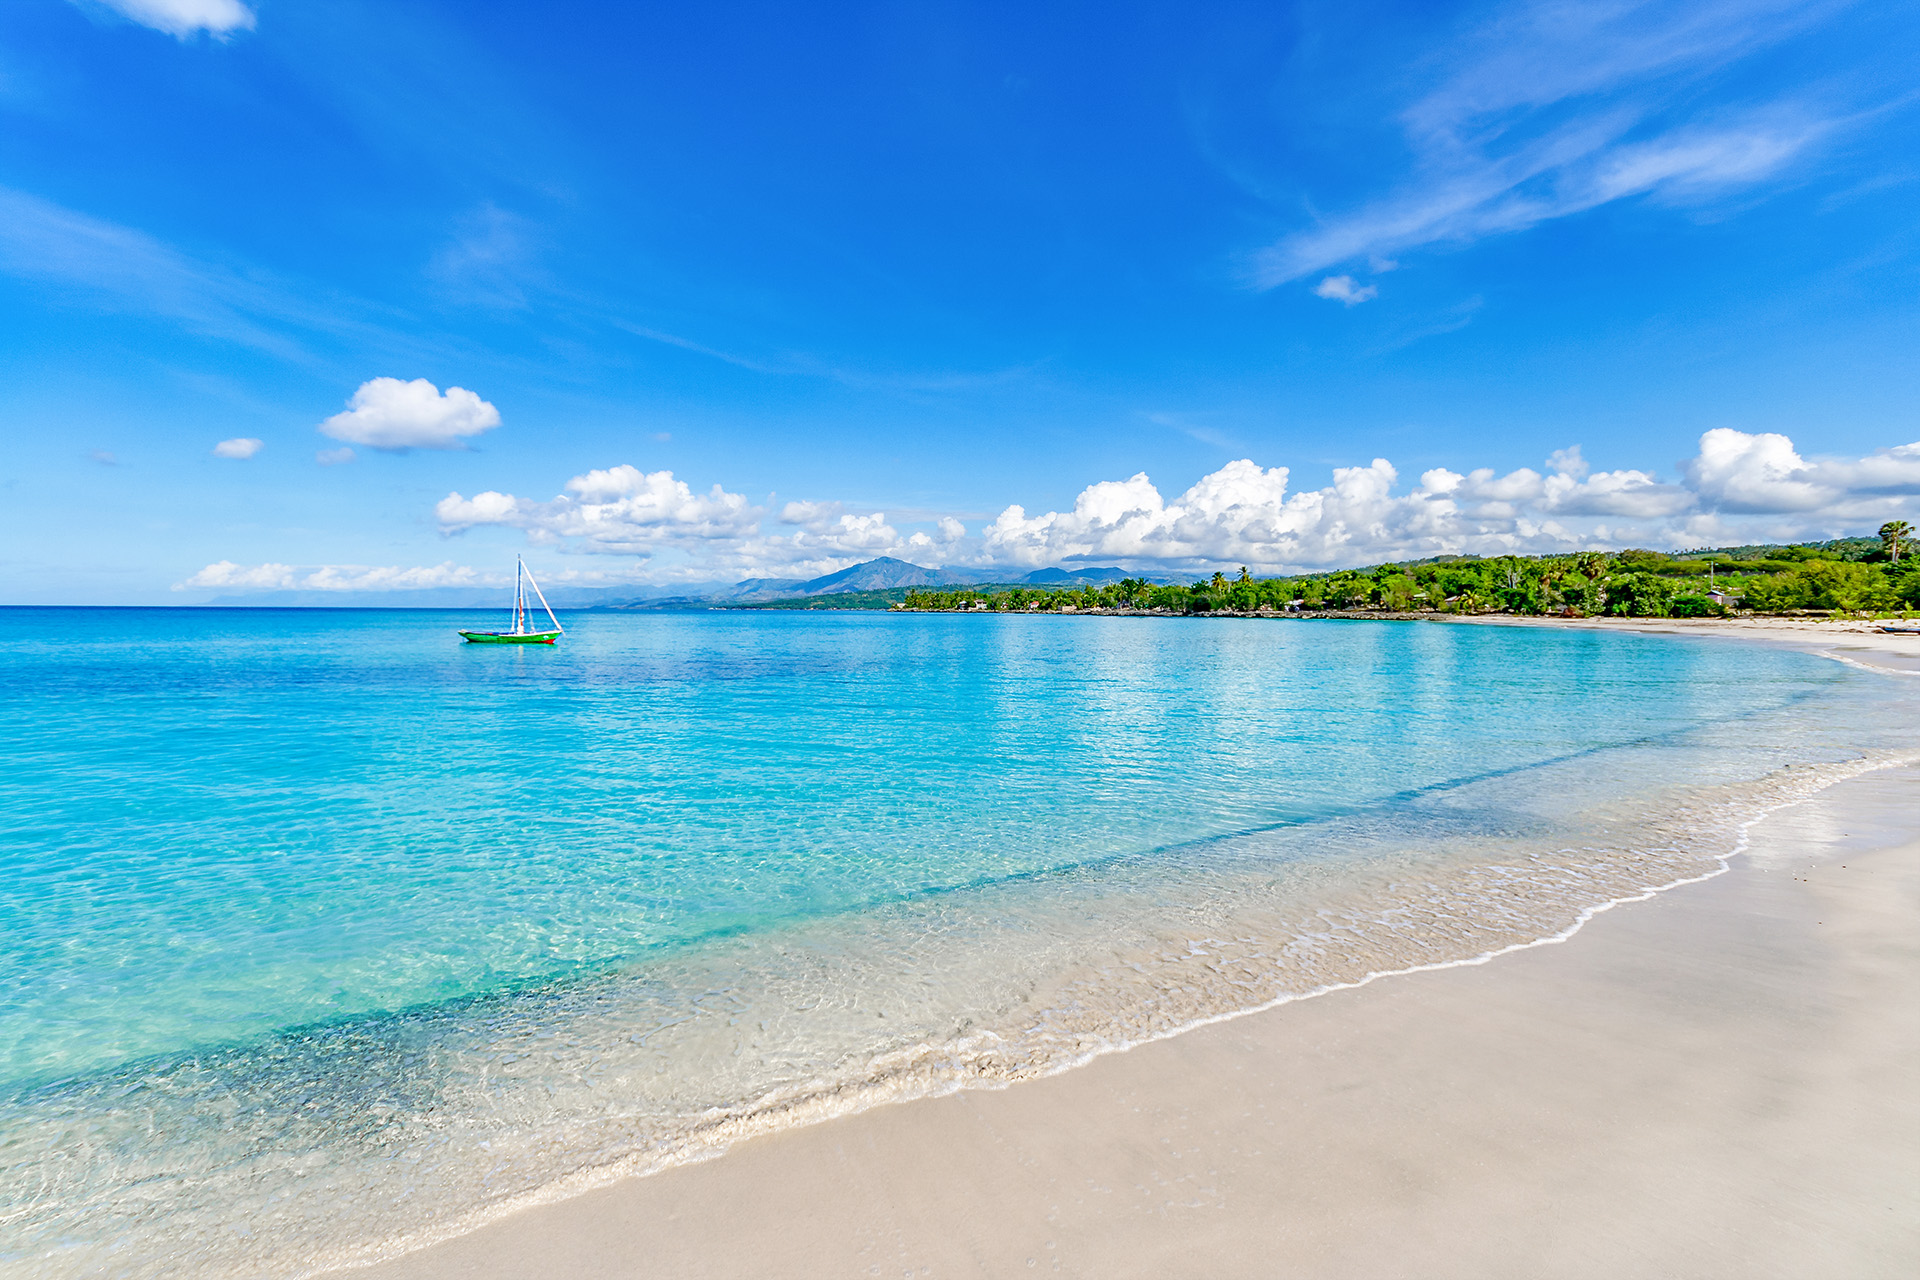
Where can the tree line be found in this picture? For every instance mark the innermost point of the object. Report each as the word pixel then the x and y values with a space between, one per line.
pixel 1849 575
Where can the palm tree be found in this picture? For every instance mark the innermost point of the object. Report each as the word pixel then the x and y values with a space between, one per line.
pixel 1591 564
pixel 1895 535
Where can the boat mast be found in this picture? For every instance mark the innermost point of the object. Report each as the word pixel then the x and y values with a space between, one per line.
pixel 519 598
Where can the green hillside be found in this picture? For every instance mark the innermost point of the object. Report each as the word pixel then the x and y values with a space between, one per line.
pixel 1852 575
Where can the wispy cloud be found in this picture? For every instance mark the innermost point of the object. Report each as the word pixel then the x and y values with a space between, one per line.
pixel 127 270
pixel 489 260
pixel 103 265
pixel 1193 430
pixel 1553 109
pixel 184 18
pixel 699 349
pixel 227 575
pixel 1343 289
pixel 793 364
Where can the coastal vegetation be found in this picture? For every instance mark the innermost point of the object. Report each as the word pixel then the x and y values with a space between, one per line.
pixel 1851 576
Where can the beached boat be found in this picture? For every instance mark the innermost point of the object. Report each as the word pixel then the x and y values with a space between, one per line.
pixel 522 632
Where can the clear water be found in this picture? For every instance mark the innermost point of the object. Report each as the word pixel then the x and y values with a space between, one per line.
pixel 321 932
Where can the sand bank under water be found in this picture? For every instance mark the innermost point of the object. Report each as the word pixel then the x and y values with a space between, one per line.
pixel 1717 1081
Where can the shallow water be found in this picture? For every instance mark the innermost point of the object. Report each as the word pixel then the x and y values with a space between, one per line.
pixel 322 932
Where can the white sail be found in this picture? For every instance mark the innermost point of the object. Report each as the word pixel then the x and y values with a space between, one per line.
pixel 542 595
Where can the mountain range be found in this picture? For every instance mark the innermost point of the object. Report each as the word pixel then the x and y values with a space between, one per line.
pixel 872 575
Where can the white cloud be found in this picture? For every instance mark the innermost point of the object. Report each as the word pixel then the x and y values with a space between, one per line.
pixel 1752 473
pixel 127 270
pixel 386 413
pixel 184 17
pixel 1242 514
pixel 618 510
pixel 238 447
pixel 1343 289
pixel 488 261
pixel 827 528
pixel 1549 110
pixel 334 457
pixel 1740 487
pixel 1765 474
pixel 256 577
pixel 227 575
pixel 681 534
pixel 79 260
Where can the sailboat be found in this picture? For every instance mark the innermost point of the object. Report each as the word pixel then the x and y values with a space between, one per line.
pixel 522 632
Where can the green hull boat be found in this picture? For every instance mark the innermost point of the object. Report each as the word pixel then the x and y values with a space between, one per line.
pixel 523 632
pixel 508 637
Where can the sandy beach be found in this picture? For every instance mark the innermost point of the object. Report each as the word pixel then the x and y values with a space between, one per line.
pixel 1717 1081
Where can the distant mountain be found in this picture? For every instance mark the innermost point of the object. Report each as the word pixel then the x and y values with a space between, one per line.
pixel 1075 577
pixel 756 588
pixel 500 598
pixel 877 575
pixel 883 574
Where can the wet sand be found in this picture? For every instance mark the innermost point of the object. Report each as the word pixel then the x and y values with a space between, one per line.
pixel 1723 1080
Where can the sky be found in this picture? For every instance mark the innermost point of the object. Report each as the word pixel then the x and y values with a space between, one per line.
pixel 332 294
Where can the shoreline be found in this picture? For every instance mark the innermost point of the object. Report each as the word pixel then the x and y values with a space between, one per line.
pixel 1138 1163
pixel 572 1219
pixel 1851 641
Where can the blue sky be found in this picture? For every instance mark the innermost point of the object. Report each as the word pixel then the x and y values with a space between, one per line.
pixel 306 293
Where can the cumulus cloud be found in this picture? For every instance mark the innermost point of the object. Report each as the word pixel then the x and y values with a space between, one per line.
pixel 828 528
pixel 1343 289
pixel 182 18
pixel 388 414
pixel 1240 511
pixel 1764 474
pixel 617 510
pixel 227 575
pixel 1245 514
pixel 1738 487
pixel 682 533
pixel 238 447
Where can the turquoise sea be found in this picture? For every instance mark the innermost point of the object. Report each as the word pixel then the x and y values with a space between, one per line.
pixel 322 933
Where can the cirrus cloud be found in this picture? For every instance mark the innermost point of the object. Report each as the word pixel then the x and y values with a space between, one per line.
pixel 395 416
pixel 182 18
pixel 1545 111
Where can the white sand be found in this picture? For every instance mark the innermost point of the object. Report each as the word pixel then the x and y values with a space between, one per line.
pixel 1722 1081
